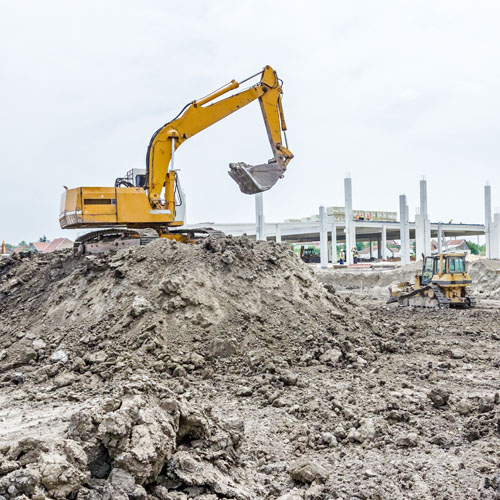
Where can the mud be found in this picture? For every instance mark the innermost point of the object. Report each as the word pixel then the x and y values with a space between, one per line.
pixel 225 369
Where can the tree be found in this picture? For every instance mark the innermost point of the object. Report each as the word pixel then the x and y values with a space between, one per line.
pixel 474 247
pixel 360 245
pixel 22 244
pixel 42 239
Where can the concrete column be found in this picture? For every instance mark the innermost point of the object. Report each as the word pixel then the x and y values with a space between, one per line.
pixel 422 224
pixel 404 230
pixel 334 243
pixel 371 249
pixel 425 218
pixel 495 237
pixel 487 218
pixel 278 234
pixel 350 229
pixel 379 247
pixel 259 217
pixel 440 239
pixel 323 238
pixel 419 233
pixel 383 243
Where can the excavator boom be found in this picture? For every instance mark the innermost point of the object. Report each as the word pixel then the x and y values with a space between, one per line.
pixel 199 114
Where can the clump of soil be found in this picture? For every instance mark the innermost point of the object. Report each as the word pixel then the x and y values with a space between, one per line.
pixel 225 369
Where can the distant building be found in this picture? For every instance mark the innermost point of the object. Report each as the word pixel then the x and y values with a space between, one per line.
pixel 452 246
pixel 20 248
pixel 50 246
pixel 337 214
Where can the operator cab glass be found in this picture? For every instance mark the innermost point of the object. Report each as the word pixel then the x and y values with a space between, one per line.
pixel 428 270
pixel 140 180
pixel 442 263
pixel 456 264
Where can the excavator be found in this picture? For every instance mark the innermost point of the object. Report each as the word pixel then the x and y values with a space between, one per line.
pixel 443 283
pixel 150 203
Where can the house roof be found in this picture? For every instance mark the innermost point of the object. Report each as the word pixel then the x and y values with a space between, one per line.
pixel 40 246
pixel 58 244
pixel 456 242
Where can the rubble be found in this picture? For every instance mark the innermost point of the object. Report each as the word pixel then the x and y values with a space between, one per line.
pixel 225 369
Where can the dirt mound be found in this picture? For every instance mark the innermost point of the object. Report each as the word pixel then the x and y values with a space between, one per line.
pixel 485 274
pixel 100 354
pixel 224 369
pixel 378 280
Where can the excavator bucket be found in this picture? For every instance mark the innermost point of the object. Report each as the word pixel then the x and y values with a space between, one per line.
pixel 254 179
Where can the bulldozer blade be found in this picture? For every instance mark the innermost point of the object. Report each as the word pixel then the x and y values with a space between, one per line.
pixel 254 179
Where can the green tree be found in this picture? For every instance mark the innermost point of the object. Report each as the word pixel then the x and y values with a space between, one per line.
pixel 42 239
pixel 22 244
pixel 360 245
pixel 474 247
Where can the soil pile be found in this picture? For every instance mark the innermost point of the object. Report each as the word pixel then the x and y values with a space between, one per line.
pixel 485 274
pixel 224 369
pixel 377 280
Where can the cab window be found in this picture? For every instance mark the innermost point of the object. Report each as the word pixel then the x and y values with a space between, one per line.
pixel 442 263
pixel 456 264
pixel 428 271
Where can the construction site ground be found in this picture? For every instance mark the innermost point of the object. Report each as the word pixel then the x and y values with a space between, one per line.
pixel 230 369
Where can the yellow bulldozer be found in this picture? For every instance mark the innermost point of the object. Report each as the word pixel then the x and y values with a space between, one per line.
pixel 444 282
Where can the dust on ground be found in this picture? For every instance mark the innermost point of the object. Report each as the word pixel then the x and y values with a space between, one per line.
pixel 225 369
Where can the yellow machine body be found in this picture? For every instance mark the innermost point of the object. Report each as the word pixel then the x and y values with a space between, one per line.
pixel 96 207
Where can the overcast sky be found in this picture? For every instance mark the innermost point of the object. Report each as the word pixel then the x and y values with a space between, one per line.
pixel 388 91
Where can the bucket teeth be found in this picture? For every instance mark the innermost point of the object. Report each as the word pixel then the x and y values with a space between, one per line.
pixel 253 179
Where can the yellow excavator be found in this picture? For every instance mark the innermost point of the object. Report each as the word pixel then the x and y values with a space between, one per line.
pixel 149 203
pixel 443 283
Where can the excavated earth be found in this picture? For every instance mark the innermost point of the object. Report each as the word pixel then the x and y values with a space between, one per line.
pixel 226 369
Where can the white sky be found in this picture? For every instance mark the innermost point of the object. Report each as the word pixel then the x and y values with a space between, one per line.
pixel 388 91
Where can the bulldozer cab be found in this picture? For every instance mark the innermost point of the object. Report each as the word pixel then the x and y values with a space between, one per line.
pixel 436 266
pixel 428 270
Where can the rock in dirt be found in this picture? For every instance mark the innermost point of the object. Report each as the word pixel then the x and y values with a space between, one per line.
pixel 439 397
pixel 409 440
pixel 140 305
pixel 306 470
pixel 331 356
pixel 61 355
pixel 365 432
pixel 223 348
pixel 464 407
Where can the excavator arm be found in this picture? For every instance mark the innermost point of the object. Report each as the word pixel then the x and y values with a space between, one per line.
pixel 197 116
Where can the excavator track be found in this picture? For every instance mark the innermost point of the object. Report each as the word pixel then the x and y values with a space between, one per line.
pixel 106 240
pixel 204 231
pixel 112 240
